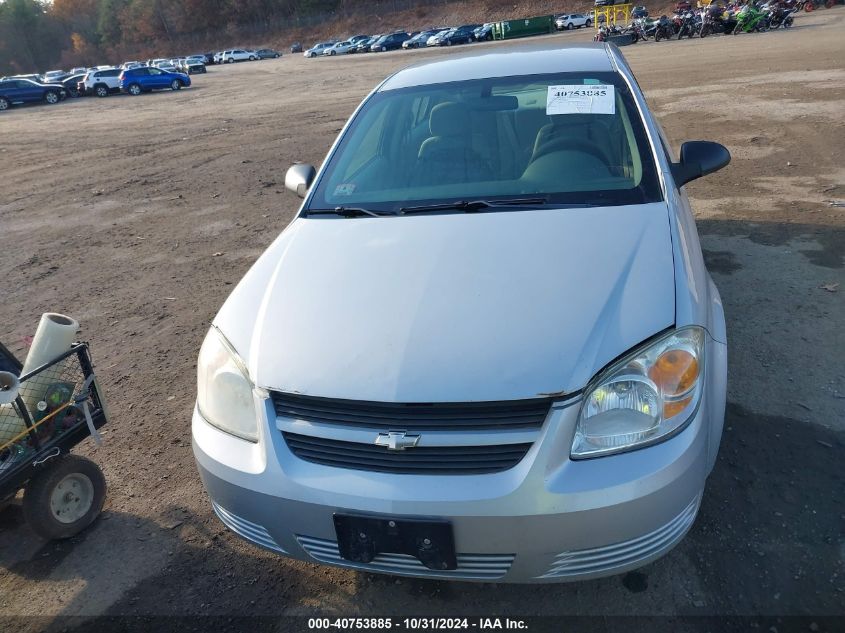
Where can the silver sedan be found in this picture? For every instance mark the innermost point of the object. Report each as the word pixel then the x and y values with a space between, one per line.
pixel 487 348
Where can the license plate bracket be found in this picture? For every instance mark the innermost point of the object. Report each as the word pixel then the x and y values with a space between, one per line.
pixel 360 538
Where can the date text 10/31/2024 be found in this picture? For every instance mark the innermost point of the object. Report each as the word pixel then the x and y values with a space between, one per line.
pixel 416 624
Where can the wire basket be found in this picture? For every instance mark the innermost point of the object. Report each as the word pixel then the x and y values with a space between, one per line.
pixel 55 401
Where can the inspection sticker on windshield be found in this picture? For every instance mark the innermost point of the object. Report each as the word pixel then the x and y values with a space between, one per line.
pixel 581 99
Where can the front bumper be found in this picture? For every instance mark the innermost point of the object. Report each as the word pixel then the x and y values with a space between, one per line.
pixel 549 519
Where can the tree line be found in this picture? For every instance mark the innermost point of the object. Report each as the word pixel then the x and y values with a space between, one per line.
pixel 37 35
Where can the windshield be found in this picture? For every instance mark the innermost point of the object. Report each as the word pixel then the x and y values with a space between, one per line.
pixel 568 138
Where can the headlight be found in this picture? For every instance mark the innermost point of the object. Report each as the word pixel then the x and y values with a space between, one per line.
pixel 224 391
pixel 649 395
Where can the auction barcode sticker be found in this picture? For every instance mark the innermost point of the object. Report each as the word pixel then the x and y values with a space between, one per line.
pixel 581 99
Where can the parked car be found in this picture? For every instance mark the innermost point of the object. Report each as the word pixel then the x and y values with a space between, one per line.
pixel 571 21
pixel 339 48
pixel 389 42
pixel 267 53
pixel 218 57
pixel 53 75
pixel 132 64
pixel 78 70
pixel 167 66
pixel 356 40
pixel 364 45
pixel 194 65
pixel 419 40
pixel 459 35
pixel 528 381
pixel 318 49
pixel 296 47
pixel 140 80
pixel 238 55
pixel 483 33
pixel 101 83
pixel 70 84
pixel 18 91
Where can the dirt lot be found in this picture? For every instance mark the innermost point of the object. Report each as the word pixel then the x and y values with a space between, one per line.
pixel 137 216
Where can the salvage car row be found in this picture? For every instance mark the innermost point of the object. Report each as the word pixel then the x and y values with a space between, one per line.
pixel 435 36
pixel 103 82
pixel 132 77
pixel 382 42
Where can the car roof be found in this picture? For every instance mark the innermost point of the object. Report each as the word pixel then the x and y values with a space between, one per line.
pixel 526 60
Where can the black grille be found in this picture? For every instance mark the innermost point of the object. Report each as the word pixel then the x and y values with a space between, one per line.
pixel 519 414
pixel 429 460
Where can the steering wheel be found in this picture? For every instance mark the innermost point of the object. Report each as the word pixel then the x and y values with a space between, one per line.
pixel 571 143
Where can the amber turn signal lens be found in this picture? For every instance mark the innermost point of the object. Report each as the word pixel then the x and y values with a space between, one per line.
pixel 675 372
pixel 674 407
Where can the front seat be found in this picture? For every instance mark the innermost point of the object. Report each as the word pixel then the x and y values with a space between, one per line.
pixel 447 155
pixel 573 126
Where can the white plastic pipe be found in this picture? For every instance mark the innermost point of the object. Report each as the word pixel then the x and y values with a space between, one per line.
pixel 54 336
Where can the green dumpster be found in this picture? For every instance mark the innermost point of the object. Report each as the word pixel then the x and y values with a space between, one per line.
pixel 510 29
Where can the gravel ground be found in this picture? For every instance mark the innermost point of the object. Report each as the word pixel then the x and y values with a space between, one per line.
pixel 137 216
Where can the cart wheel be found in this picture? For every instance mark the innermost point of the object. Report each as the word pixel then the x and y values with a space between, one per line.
pixel 64 499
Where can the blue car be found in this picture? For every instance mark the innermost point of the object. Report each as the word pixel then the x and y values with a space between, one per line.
pixel 138 80
pixel 14 91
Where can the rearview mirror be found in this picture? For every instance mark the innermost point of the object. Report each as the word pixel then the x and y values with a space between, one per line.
pixel 299 178
pixel 699 158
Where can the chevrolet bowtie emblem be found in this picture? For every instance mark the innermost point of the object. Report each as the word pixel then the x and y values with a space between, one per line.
pixel 397 440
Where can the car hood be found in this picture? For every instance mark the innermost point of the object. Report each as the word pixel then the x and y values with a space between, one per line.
pixel 454 307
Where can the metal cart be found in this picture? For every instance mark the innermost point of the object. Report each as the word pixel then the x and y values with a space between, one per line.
pixel 58 405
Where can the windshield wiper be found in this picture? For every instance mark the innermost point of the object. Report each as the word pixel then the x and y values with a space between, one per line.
pixel 471 206
pixel 349 212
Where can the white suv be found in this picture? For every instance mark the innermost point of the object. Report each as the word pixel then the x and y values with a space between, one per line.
pixel 102 82
pixel 572 20
pixel 238 55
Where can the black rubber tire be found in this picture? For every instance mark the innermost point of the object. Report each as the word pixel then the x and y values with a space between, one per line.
pixel 588 23
pixel 36 500
pixel 5 104
pixel 175 85
pixel 276 56
pixel 252 58
pixel 101 91
pixel 52 97
pixel 134 89
pixel 570 26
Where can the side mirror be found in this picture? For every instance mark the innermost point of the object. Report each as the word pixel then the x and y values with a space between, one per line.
pixel 299 178
pixel 699 158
